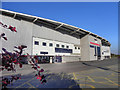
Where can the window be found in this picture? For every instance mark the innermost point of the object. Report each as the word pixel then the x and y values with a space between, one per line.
pixel 67 46
pixel 95 39
pixel 50 44
pixel 78 47
pixel 62 50
pixel 36 43
pixel 44 43
pixel 43 52
pixel 57 45
pixel 103 53
pixel 95 52
pixel 98 51
pixel 75 47
pixel 63 46
pixel 92 46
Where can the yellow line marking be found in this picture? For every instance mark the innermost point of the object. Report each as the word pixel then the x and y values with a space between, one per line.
pixel 96 77
pixel 74 76
pixel 48 77
pixel 87 85
pixel 62 76
pixel 90 71
pixel 24 83
pixel 80 75
pixel 30 85
pixel 82 85
pixel 91 79
pixel 112 82
pixel 103 83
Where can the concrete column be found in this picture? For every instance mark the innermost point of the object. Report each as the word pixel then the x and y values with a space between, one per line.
pixel 84 43
pixel 50 59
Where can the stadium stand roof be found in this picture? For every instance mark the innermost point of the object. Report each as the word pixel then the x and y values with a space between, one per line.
pixel 59 26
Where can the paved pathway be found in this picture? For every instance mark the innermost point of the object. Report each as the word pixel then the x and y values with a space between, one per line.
pixel 97 78
pixel 87 75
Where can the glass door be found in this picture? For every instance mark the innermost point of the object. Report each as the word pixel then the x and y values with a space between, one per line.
pixel 98 53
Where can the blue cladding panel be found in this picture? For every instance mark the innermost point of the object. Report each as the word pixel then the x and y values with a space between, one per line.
pixel 61 50
pixel 98 52
pixel 95 52
pixel 59 58
pixel 92 46
pixel 36 43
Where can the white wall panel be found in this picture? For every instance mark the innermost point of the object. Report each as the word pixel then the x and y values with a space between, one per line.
pixel 105 51
pixel 51 50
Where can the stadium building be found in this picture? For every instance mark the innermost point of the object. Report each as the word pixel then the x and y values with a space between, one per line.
pixel 52 41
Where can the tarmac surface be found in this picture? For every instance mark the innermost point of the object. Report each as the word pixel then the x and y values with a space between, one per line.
pixel 95 74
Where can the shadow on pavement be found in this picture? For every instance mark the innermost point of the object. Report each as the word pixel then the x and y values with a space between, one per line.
pixel 100 67
pixel 60 80
pixel 54 80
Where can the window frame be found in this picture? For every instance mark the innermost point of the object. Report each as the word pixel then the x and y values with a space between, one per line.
pixel 57 45
pixel 35 42
pixel 50 44
pixel 75 48
pixel 44 43
pixel 67 46
pixel 63 46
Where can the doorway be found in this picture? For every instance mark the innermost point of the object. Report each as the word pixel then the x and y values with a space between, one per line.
pixel 98 53
pixel 57 59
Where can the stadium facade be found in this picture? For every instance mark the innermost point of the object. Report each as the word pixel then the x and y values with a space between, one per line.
pixel 52 40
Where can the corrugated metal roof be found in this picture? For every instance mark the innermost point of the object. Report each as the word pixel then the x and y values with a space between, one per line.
pixel 72 29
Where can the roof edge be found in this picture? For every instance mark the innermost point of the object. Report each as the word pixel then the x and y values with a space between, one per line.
pixel 36 17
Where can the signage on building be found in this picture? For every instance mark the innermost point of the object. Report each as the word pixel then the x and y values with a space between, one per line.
pixel 94 44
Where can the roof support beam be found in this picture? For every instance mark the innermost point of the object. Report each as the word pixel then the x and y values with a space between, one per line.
pixel 35 20
pixel 75 31
pixel 59 26
pixel 14 15
pixel 78 30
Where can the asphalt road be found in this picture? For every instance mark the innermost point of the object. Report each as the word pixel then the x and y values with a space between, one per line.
pixel 95 74
pixel 79 66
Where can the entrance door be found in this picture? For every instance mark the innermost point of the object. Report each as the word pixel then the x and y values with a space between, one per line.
pixel 98 53
pixel 57 59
